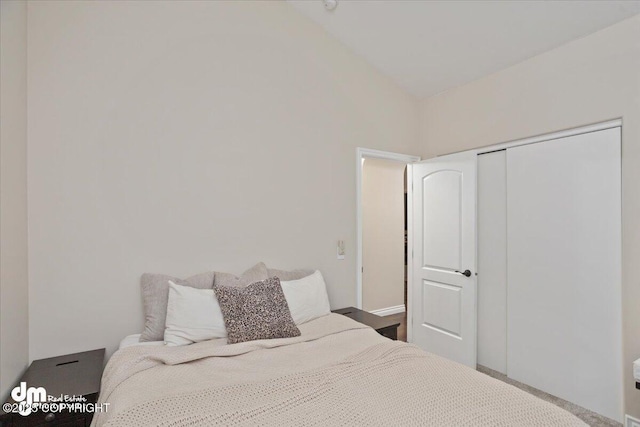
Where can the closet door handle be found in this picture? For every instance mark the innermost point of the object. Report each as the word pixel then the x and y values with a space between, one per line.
pixel 465 273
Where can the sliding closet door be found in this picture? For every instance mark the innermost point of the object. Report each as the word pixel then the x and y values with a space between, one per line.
pixel 492 261
pixel 564 262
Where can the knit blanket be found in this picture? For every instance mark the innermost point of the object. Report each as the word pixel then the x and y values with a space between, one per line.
pixel 338 372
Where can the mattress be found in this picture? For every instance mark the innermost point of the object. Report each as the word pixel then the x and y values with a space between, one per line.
pixel 337 372
pixel 636 370
pixel 131 340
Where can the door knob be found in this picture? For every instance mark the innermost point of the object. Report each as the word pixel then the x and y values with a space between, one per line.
pixel 465 273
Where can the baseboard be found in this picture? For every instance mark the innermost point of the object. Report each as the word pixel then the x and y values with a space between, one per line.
pixel 630 421
pixel 389 310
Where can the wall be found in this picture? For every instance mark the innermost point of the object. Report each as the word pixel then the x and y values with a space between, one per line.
pixel 180 137
pixel 382 234
pixel 590 80
pixel 13 194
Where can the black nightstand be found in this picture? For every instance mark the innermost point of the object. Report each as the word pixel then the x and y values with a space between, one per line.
pixel 77 374
pixel 385 327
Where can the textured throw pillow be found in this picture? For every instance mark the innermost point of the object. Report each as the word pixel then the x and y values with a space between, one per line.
pixel 307 298
pixel 290 275
pixel 155 294
pixel 254 274
pixel 258 311
pixel 193 315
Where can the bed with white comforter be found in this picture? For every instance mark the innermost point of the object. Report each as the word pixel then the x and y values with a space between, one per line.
pixel 338 372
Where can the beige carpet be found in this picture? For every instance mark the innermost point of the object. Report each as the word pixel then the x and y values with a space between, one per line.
pixel 589 417
pixel 585 415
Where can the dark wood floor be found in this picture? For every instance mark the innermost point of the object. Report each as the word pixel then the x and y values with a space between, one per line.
pixel 402 329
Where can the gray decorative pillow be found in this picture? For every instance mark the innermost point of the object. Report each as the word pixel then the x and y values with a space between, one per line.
pixel 254 274
pixel 286 276
pixel 258 311
pixel 155 295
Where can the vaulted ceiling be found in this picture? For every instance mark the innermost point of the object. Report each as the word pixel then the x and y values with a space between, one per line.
pixel 431 46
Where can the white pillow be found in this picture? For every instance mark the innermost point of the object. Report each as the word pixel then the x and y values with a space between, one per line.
pixel 193 315
pixel 306 297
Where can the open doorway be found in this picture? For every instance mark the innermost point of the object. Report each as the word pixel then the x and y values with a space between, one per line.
pixel 382 234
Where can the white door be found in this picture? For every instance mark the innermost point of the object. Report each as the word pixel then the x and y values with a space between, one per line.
pixel 564 275
pixel 443 306
pixel 492 260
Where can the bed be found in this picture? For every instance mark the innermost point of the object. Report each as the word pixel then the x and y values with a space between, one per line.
pixel 337 372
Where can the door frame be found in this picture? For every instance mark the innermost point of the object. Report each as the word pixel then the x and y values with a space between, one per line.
pixel 367 153
pixel 594 127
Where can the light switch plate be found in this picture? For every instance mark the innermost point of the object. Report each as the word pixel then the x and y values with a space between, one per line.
pixel 340 249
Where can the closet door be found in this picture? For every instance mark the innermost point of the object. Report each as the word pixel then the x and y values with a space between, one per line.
pixel 492 261
pixel 564 269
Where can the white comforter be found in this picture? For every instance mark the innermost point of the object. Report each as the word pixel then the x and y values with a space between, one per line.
pixel 338 372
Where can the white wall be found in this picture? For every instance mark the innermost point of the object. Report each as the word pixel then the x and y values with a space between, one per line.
pixel 382 234
pixel 590 80
pixel 180 137
pixel 14 319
